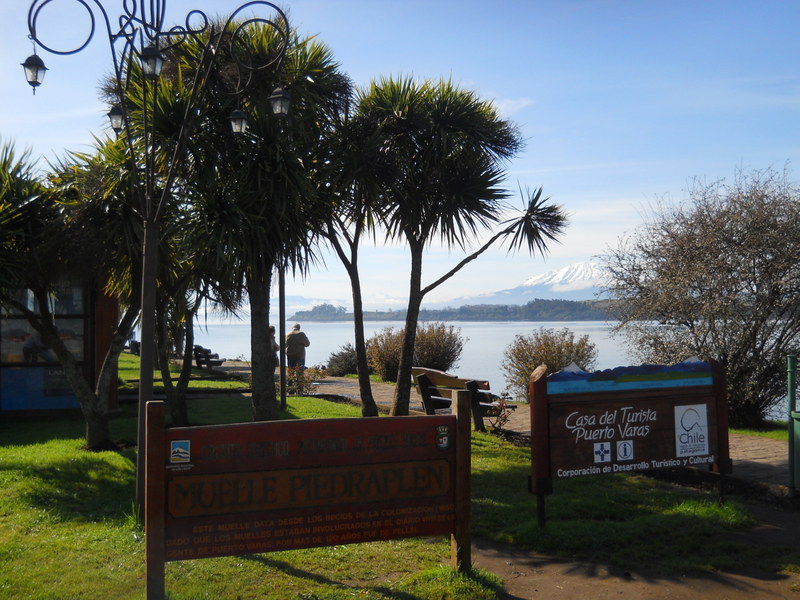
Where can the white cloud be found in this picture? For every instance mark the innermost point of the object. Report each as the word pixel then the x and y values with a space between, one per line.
pixel 510 106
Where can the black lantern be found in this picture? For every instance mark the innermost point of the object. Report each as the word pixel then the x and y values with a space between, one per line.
pixel 116 117
pixel 34 71
pixel 280 100
pixel 238 121
pixel 152 61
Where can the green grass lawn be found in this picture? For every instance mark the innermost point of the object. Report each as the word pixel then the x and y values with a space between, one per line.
pixel 776 430
pixel 128 373
pixel 66 530
pixel 374 377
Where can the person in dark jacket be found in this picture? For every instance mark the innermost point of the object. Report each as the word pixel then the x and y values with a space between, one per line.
pixel 296 344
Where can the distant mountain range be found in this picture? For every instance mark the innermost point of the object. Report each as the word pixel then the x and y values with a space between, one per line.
pixel 574 292
pixel 579 281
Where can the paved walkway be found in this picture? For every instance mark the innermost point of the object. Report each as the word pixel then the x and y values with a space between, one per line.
pixel 757 459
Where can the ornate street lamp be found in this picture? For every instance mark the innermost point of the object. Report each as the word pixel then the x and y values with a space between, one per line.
pixel 138 48
pixel 280 100
pixel 152 61
pixel 238 121
pixel 117 118
pixel 34 71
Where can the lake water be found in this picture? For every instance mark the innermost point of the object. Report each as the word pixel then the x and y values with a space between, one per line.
pixel 481 358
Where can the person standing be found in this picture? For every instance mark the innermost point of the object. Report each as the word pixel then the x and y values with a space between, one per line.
pixel 274 346
pixel 296 344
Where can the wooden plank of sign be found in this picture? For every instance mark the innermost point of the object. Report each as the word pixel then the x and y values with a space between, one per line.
pixel 645 417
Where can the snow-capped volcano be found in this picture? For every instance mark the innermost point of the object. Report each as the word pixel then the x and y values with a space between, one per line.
pixel 578 281
pixel 575 277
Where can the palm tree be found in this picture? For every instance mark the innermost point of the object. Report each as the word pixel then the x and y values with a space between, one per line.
pixel 19 216
pixel 45 237
pixel 354 185
pixel 98 186
pixel 257 196
pixel 447 148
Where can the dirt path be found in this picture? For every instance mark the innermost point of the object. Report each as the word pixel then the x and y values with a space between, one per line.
pixel 529 576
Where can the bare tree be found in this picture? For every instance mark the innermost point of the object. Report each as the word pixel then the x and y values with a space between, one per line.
pixel 717 276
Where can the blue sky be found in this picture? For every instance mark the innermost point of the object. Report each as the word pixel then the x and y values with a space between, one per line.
pixel 622 104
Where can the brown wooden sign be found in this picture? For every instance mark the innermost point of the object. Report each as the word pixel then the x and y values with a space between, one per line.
pixel 626 420
pixel 261 487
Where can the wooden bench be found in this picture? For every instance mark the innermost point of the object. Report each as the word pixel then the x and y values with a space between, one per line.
pixel 205 359
pixel 437 387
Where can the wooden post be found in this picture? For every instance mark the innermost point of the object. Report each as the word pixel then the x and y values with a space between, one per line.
pixel 722 451
pixel 154 505
pixel 791 369
pixel 724 465
pixel 460 540
pixel 541 482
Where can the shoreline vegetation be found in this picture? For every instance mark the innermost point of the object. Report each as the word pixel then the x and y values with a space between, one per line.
pixel 535 310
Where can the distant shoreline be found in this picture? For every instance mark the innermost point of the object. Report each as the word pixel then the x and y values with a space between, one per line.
pixel 535 310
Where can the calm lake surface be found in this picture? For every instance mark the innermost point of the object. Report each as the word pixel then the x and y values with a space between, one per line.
pixel 481 359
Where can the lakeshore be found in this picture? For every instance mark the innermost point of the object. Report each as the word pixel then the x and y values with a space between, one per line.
pixel 482 357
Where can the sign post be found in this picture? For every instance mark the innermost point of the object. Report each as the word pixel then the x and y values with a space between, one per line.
pixel 155 554
pixel 794 422
pixel 460 539
pixel 280 485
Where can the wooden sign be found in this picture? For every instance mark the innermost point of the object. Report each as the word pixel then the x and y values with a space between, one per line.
pixel 626 420
pixel 261 487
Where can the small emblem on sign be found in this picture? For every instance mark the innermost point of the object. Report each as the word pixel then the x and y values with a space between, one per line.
pixel 691 430
pixel 625 450
pixel 180 451
pixel 443 437
pixel 602 452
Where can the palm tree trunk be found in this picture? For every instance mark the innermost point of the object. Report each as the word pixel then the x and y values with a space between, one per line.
pixel 402 397
pixel 262 360
pixel 368 406
pixel 186 371
pixel 162 356
pixel 175 392
pixel 107 379
pixel 95 413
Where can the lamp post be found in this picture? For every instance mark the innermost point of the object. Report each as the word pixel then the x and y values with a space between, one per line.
pixel 139 49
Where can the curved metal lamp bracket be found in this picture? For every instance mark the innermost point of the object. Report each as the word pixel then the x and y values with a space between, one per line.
pixel 141 24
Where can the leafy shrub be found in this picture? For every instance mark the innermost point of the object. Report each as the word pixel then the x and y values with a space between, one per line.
pixel 438 346
pixel 551 347
pixel 383 352
pixel 300 381
pixel 343 361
